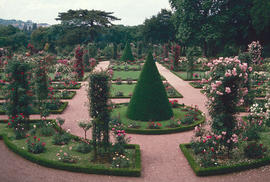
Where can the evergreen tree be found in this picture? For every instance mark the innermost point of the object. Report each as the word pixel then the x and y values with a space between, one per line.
pixel 127 55
pixel 149 101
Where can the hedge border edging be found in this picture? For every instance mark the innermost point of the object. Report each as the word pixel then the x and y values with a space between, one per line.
pixel 131 172
pixel 58 111
pixel 200 171
pixel 61 109
pixel 163 131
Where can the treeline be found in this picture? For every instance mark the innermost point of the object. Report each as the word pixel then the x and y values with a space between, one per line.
pixel 217 28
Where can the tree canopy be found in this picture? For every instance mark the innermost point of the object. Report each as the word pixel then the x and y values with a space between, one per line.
pixel 91 20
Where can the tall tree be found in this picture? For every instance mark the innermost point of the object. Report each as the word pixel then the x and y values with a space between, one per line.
pixel 159 28
pixel 91 20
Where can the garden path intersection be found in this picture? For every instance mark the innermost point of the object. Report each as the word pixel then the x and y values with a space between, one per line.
pixel 162 160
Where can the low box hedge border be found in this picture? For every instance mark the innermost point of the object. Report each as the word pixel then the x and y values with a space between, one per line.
pixel 95 169
pixel 61 109
pixel 200 171
pixel 195 86
pixel 78 86
pixel 164 130
pixel 195 79
pixel 178 96
pixel 70 96
pixel 58 111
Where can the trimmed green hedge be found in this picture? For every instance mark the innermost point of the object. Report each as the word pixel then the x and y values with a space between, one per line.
pixel 163 131
pixel 61 86
pixel 58 111
pixel 95 169
pixel 200 171
pixel 61 109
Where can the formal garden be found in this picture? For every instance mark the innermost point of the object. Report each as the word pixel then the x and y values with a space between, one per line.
pixel 140 101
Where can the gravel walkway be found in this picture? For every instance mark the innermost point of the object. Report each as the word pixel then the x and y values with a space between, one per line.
pixel 162 160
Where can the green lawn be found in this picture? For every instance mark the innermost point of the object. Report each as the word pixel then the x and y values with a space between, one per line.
pixel 58 110
pixel 62 86
pixel 128 67
pixel 124 75
pixel 183 75
pixel 83 160
pixel 127 90
pixel 179 113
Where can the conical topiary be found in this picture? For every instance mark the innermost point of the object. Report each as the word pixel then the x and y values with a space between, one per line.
pixel 127 54
pixel 149 100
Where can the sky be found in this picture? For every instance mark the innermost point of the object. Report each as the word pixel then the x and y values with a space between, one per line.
pixel 131 12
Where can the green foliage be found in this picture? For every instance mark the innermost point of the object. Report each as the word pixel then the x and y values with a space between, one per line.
pixel 18 95
pixel 91 169
pixel 254 150
pixel 41 87
pixel 35 146
pixel 108 51
pixel 127 54
pixel 84 147
pixel 85 126
pixel 93 21
pixel 61 139
pixel 192 55
pixel 98 95
pixel 78 66
pixel 159 28
pixel 149 100
pixel 201 171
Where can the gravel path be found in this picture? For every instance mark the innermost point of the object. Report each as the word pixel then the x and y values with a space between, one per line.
pixel 162 160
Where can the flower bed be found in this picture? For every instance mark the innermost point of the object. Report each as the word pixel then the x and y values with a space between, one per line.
pixel 196 84
pixel 197 75
pixel 125 91
pixel 127 75
pixel 59 110
pixel 50 157
pixel 61 85
pixel 65 94
pixel 180 122
pixel 201 171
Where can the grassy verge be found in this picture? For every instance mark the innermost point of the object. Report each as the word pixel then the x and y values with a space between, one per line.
pixel 60 110
pixel 201 171
pixel 126 91
pixel 125 75
pixel 142 127
pixel 84 163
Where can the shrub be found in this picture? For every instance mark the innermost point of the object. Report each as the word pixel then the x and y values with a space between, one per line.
pixel 174 103
pixel 119 94
pixel 127 54
pixel 225 93
pixel 120 161
pixel 66 157
pixel 253 150
pixel 98 95
pixel 188 119
pixel 154 125
pixel 35 146
pixel 84 147
pixel 149 100
pixel 61 139
pixel 78 65
pixel 18 95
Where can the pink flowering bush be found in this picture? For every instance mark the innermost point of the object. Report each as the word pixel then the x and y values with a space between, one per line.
pixel 120 137
pixel 225 92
